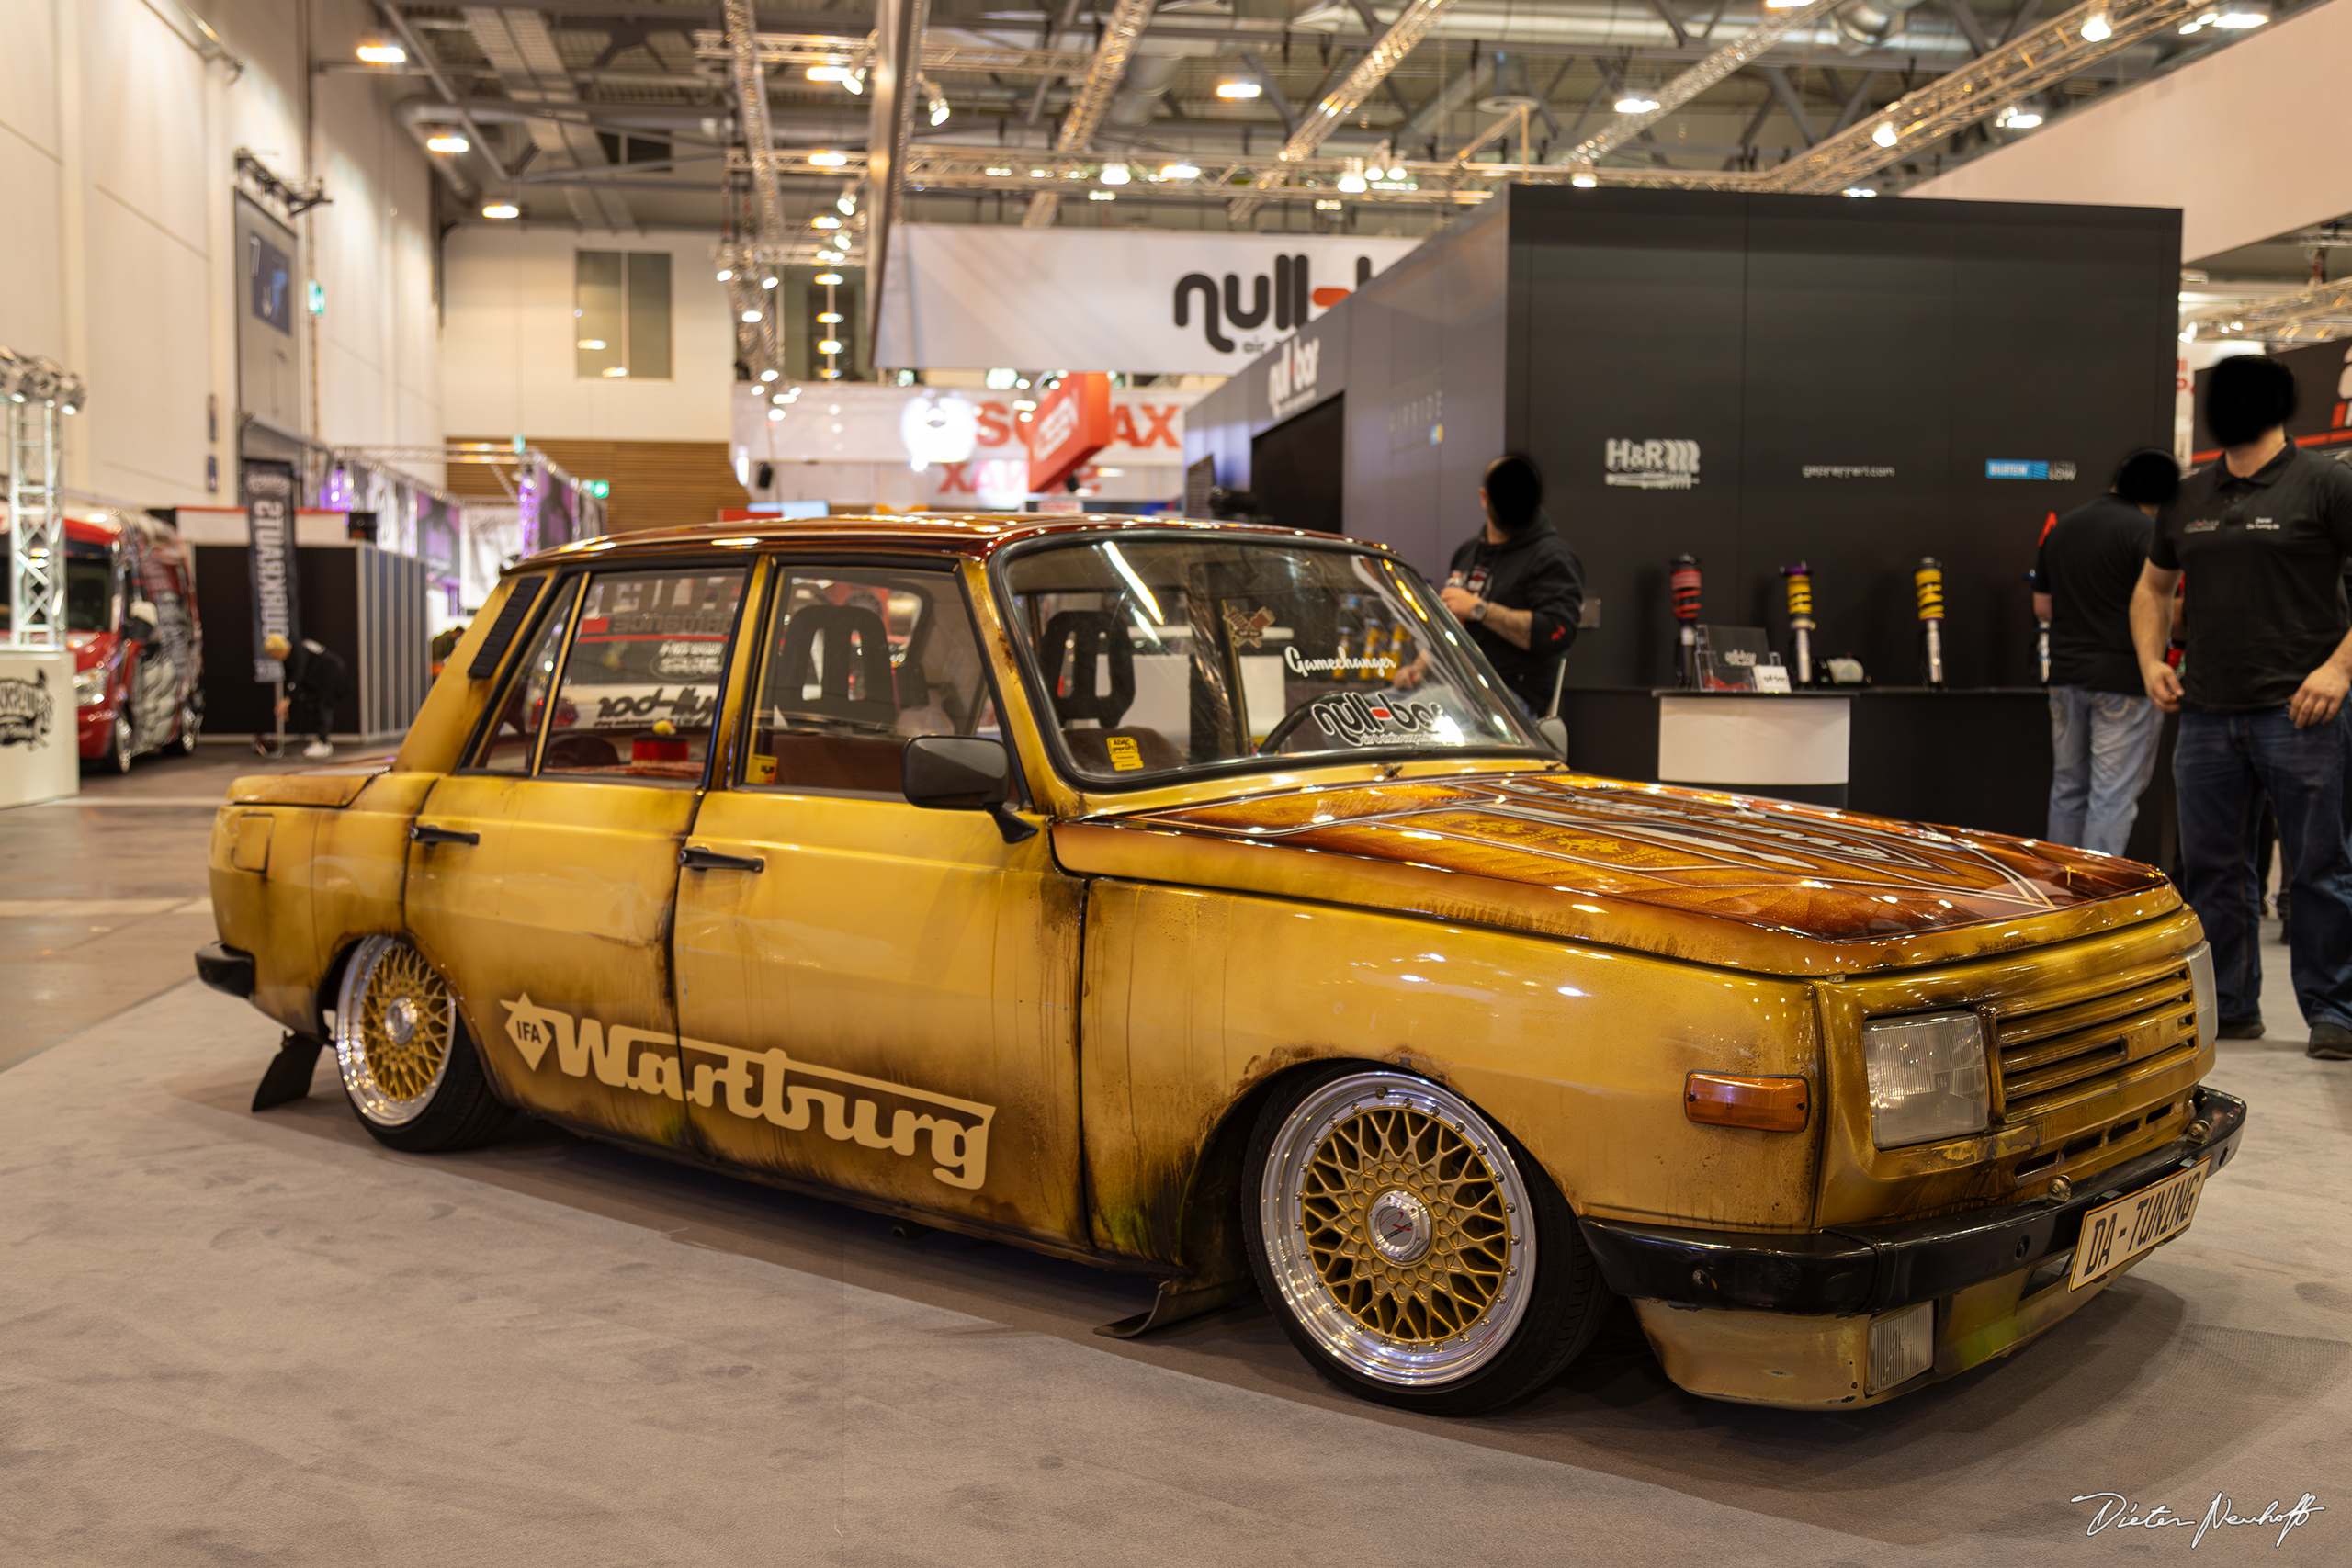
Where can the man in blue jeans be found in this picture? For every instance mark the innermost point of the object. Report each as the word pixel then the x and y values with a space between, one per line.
pixel 2102 726
pixel 2264 536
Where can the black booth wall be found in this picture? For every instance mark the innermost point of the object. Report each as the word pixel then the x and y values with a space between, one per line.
pixel 1896 346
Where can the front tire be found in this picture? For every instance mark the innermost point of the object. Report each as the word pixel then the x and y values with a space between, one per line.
pixel 121 743
pixel 191 726
pixel 408 1070
pixel 1413 1251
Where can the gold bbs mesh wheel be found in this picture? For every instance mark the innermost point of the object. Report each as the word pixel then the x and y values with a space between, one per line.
pixel 1397 1229
pixel 395 1026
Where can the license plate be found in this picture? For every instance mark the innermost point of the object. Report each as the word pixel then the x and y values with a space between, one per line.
pixel 2115 1233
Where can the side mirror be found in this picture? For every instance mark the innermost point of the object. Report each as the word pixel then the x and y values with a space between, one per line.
pixel 1555 732
pixel 962 773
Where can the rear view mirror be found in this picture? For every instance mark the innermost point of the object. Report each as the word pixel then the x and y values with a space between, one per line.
pixel 962 773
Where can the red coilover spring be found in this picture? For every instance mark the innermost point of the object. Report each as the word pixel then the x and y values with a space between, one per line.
pixel 1929 582
pixel 1685 580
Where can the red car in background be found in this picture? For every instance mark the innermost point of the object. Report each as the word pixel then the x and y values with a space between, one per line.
pixel 130 619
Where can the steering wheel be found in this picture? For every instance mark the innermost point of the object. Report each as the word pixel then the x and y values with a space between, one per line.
pixel 1280 732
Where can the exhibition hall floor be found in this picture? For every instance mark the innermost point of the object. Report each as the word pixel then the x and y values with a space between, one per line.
pixel 232 1337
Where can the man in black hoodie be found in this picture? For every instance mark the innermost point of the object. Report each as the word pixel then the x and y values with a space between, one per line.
pixel 1518 586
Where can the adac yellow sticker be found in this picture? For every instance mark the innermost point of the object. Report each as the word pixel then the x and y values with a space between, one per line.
pixel 1125 755
pixel 762 770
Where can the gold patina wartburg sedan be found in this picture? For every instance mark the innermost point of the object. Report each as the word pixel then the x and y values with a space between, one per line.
pixel 1193 900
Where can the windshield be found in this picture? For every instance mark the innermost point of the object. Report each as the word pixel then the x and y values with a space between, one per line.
pixel 1162 655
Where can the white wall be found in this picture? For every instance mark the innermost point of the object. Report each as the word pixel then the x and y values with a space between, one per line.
pixel 509 366
pixel 117 144
pixel 2246 142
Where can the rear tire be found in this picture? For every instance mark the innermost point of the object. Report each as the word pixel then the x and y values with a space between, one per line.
pixel 1413 1251
pixel 191 727
pixel 120 742
pixel 408 1069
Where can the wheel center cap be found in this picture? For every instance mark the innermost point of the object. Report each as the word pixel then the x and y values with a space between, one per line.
pixel 400 1020
pixel 1401 1227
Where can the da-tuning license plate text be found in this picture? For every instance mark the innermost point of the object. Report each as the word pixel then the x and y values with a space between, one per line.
pixel 2115 1233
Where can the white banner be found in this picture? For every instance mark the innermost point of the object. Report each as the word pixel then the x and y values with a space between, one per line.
pixel 1152 302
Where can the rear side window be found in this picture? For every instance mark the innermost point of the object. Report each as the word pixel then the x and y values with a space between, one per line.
pixel 514 736
pixel 637 697
pixel 856 662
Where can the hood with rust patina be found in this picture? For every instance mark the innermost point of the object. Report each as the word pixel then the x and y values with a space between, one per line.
pixel 1717 878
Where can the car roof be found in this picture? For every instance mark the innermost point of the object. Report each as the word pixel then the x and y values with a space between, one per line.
pixel 972 536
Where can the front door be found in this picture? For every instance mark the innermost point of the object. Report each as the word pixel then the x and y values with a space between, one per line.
pixel 873 995
pixel 542 875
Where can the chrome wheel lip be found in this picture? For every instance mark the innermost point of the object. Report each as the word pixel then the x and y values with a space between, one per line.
pixel 1342 1336
pixel 372 1099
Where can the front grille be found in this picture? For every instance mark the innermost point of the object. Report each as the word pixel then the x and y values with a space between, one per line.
pixel 2055 1055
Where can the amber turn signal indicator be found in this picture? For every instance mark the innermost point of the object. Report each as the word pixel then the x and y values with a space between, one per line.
pixel 1729 1100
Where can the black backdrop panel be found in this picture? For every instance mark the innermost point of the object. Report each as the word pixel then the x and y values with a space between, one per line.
pixel 1300 466
pixel 1626 326
pixel 1846 462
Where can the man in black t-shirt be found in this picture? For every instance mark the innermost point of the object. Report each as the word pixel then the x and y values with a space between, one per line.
pixel 2264 536
pixel 2102 724
pixel 1518 586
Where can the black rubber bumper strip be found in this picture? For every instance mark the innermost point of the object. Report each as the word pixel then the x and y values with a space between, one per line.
pixel 1878 1268
pixel 226 969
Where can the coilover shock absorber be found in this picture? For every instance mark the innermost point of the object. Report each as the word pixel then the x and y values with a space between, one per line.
pixel 1927 581
pixel 1800 585
pixel 1684 579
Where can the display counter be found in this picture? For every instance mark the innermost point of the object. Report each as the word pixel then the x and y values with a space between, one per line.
pixel 1791 745
pixel 40 757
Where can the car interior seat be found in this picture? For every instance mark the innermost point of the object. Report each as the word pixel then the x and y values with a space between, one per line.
pixel 1085 651
pixel 837 648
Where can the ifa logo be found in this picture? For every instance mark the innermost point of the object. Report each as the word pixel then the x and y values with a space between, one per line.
pixel 1653 465
pixel 1290 379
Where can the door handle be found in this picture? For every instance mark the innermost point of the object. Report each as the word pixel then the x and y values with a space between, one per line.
pixel 695 858
pixel 419 833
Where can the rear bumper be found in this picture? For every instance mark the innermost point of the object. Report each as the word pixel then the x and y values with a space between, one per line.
pixel 1855 1269
pixel 227 969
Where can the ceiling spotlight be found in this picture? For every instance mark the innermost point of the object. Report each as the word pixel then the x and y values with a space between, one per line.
pixel 749 316
pixel 1886 134
pixel 829 160
pixel 1399 172
pixel 1330 207
pixel 1101 196
pixel 830 346
pixel 827 318
pixel 1234 88
pixel 1633 103
pixel 614 372
pixel 1584 178
pixel 829 258
pixel 775 415
pixel 72 392
pixel 829 72
pixel 829 279
pixel 855 81
pixel 448 141
pixel 1180 172
pixel 2018 117
pixel 1037 173
pixel 846 204
pixel 2242 14
pixel 938 101
pixel 2098 30
pixel 824 220
pixel 591 343
pixel 770 281
pixel 502 210
pixel 1859 190
pixel 767 375
pixel 1115 175
pixel 376 52
pixel 1352 181
pixel 725 273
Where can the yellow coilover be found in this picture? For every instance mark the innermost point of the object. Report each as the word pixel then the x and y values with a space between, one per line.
pixel 1928 580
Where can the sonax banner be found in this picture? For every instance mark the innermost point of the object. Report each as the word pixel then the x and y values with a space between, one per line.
pixel 963 297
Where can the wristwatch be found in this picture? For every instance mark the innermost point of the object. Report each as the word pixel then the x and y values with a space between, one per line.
pixel 1478 611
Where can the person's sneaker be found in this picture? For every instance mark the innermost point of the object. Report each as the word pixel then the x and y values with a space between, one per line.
pixel 2242 1028
pixel 2330 1042
pixel 318 748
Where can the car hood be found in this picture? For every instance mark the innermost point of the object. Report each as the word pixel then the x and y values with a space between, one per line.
pixel 1721 879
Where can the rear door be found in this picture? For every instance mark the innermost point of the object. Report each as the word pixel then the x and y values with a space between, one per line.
pixel 543 873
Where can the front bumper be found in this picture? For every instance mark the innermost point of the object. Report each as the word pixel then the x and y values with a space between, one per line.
pixel 1877 1269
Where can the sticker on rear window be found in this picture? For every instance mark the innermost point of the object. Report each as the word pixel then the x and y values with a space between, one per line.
pixel 1125 755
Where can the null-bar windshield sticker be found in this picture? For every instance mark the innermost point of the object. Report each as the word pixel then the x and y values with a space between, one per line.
pixel 1381 719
